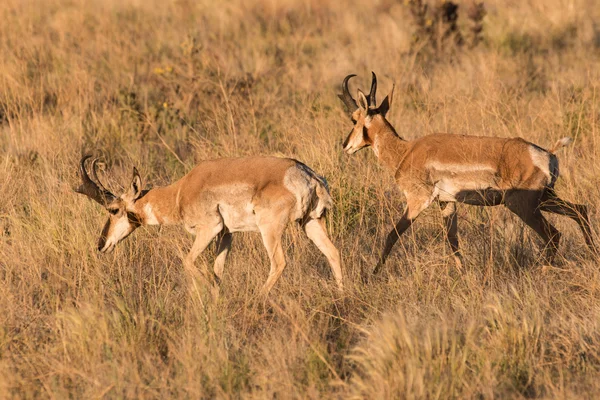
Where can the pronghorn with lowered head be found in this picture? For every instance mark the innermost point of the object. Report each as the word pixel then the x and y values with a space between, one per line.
pixel 475 170
pixel 218 197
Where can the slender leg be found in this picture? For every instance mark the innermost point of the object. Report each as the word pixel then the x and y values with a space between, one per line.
pixel 315 230
pixel 530 213
pixel 204 235
pixel 450 220
pixel 414 206
pixel 577 212
pixel 391 240
pixel 223 246
pixel 271 235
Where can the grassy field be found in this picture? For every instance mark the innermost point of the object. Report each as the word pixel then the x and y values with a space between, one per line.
pixel 163 85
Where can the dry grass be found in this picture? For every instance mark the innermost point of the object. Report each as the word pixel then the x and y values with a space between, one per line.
pixel 164 84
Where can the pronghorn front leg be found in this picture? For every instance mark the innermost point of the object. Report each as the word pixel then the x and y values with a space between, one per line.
pixel 415 204
pixel 450 222
pixel 205 233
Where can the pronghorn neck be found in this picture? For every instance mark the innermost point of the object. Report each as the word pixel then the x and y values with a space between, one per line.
pixel 159 206
pixel 387 145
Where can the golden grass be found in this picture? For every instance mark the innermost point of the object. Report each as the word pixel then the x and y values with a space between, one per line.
pixel 165 84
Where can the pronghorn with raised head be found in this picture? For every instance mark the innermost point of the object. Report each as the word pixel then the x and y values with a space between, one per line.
pixel 218 197
pixel 476 170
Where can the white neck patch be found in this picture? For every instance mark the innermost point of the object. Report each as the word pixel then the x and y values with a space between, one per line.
pixel 150 217
pixel 376 147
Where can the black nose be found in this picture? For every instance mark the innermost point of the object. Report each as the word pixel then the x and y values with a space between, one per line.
pixel 103 236
pixel 101 243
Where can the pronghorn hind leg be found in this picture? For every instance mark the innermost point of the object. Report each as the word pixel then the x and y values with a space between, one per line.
pixel 316 231
pixel 414 206
pixel 224 239
pixel 577 212
pixel 527 208
pixel 271 222
pixel 271 236
pixel 451 226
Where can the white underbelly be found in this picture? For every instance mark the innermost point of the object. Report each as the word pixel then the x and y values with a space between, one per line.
pixel 447 188
pixel 239 218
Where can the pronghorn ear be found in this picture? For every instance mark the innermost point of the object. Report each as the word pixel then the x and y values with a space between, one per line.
pixel 135 191
pixel 387 102
pixel 362 101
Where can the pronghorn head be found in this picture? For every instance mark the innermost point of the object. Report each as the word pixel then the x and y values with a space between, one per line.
pixel 123 218
pixel 365 115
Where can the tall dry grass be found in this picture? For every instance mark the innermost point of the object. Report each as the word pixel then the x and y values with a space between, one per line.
pixel 165 84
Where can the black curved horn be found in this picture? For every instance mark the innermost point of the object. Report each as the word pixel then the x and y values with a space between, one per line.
pixel 96 179
pixel 346 97
pixel 372 101
pixel 90 188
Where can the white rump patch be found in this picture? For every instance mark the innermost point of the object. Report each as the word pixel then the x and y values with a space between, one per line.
pixel 310 191
pixel 300 185
pixel 541 159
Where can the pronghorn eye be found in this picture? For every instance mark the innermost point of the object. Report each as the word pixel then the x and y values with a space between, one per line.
pixel 353 121
pixel 113 211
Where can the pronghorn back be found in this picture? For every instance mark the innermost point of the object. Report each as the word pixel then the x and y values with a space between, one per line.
pixel 459 162
pixel 249 182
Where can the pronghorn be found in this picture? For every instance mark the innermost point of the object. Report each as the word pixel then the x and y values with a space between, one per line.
pixel 475 170
pixel 219 197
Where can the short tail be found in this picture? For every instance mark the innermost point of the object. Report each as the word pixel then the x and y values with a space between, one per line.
pixel 560 143
pixel 324 201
